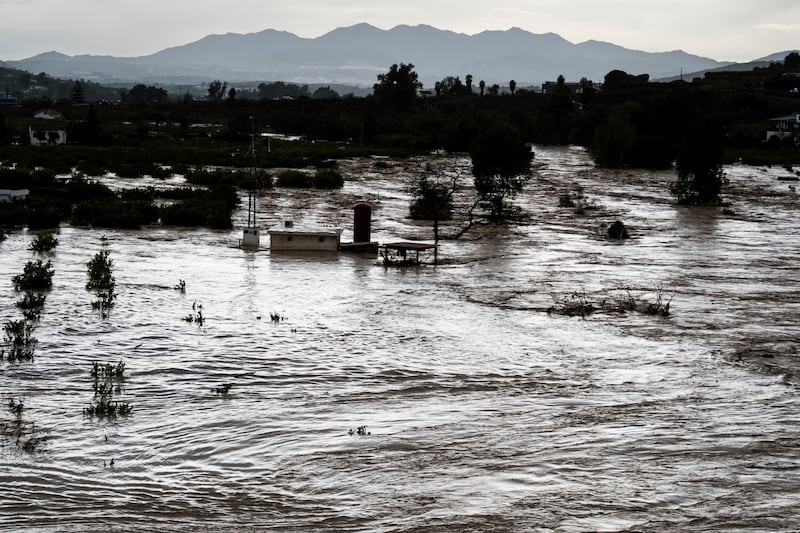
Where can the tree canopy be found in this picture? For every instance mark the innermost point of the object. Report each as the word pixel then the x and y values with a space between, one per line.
pixel 398 87
pixel 500 167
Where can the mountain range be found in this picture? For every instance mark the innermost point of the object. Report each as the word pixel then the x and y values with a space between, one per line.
pixel 356 54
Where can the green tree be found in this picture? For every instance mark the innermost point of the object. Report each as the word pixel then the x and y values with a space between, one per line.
pixel 792 60
pixel 141 94
pixel 450 86
pixel 512 86
pixel 468 81
pixel 432 199
pixel 699 164
pixel 77 95
pixel 398 87
pixel 500 167
pixel 482 85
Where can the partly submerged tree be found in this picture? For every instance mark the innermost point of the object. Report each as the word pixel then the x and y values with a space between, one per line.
pixel 699 165
pixel 432 199
pixel 500 167
pixel 398 87
pixel 432 196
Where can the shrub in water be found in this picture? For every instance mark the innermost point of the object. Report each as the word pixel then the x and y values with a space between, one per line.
pixel 37 276
pixel 295 178
pixel 43 242
pixel 99 272
pixel 31 305
pixel 18 335
pixel 328 178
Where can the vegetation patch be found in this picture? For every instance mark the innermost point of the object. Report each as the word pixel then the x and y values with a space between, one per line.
pixel 43 242
pixel 295 179
pixel 102 282
pixel 196 316
pixel 19 340
pixel 107 381
pixel 36 276
pixel 223 390
pixel 25 435
pixel 573 304
pixel 328 178
pixel 577 200
pixel 31 305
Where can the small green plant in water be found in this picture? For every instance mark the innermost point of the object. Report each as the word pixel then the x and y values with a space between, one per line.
pixel 20 340
pixel 196 316
pixel 660 306
pixel 43 242
pixel 107 381
pixel 101 280
pixel 31 305
pixel 575 304
pixel 22 433
pixel 181 286
pixel 105 408
pixel 223 389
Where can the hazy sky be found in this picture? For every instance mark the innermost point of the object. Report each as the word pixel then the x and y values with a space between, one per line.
pixel 726 30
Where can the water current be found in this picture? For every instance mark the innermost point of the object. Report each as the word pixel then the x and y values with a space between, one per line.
pixel 481 410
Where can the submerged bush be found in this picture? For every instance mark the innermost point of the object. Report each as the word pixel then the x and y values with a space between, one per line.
pixel 115 213
pixel 43 242
pixel 197 207
pixel 328 178
pixel 295 178
pixel 20 340
pixel 36 276
pixel 31 305
pixel 99 272
pixel 107 381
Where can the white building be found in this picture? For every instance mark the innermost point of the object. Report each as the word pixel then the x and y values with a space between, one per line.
pixel 289 238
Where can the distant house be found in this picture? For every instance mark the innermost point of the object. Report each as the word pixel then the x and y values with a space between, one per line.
pixel 48 115
pixel 6 195
pixel 39 136
pixel 785 127
pixel 549 87
pixel 288 238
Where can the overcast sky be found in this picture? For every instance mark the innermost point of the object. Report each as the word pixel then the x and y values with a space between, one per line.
pixel 726 30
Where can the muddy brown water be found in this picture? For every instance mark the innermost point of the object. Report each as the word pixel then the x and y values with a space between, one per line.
pixel 484 412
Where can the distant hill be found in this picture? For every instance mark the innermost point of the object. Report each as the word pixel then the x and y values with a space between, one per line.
pixel 355 55
pixel 763 62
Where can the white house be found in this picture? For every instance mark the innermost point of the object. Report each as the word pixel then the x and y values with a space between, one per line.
pixel 785 127
pixel 288 238
pixel 40 137
pixel 6 195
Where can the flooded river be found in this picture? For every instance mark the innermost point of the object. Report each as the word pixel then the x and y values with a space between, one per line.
pixel 440 398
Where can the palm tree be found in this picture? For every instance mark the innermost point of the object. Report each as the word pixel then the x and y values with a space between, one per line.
pixel 482 85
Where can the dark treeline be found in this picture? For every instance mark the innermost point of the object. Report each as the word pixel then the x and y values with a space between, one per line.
pixel 627 122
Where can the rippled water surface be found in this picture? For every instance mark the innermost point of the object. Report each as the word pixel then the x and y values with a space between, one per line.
pixel 484 411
